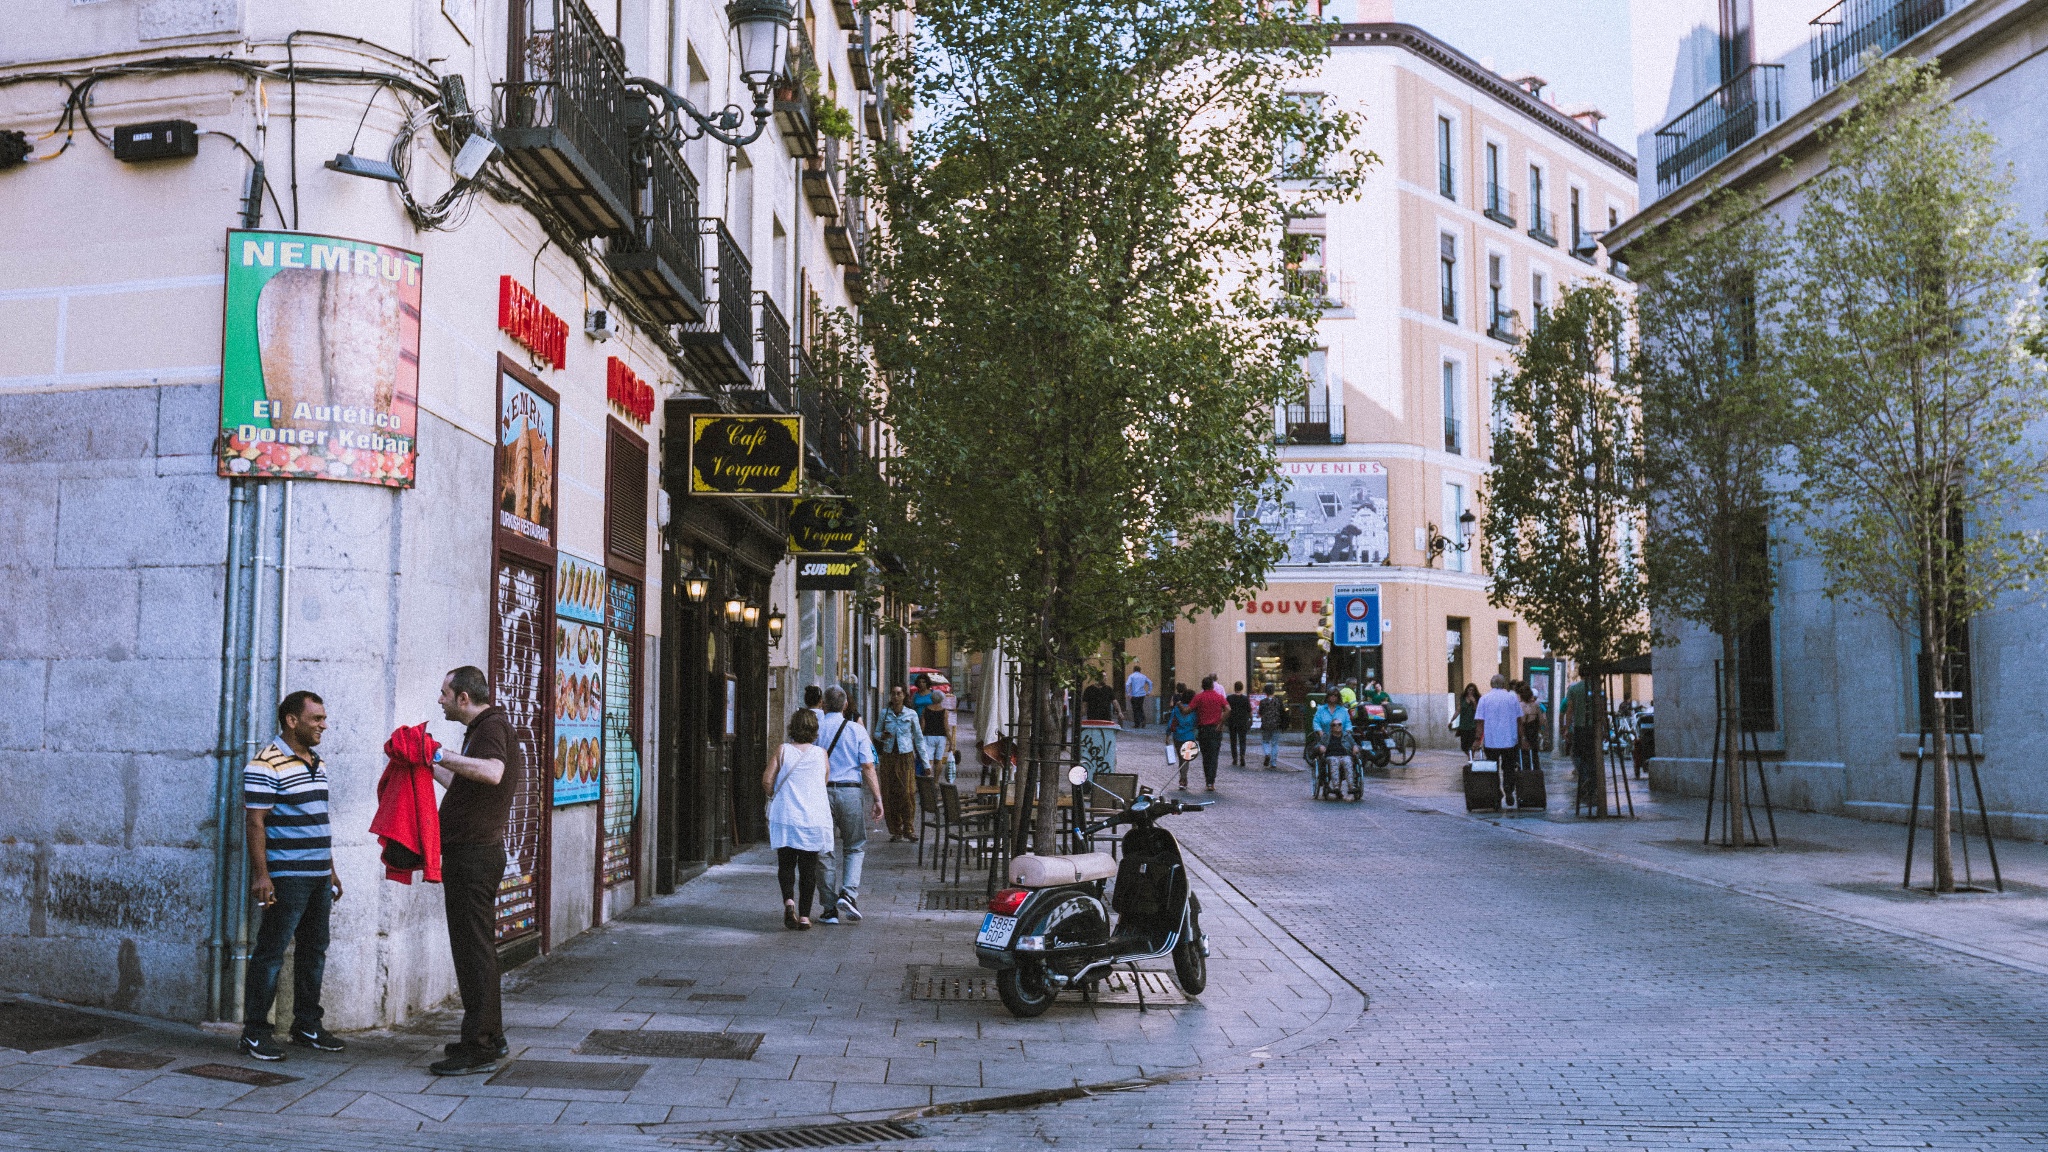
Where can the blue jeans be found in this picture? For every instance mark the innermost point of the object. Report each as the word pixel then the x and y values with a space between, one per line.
pixel 937 762
pixel 839 868
pixel 300 914
pixel 1270 737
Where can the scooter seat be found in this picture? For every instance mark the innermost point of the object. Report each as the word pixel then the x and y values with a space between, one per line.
pixel 1048 871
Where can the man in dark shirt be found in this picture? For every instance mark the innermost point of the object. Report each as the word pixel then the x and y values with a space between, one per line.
pixel 481 784
pixel 1239 722
pixel 1098 700
pixel 1210 707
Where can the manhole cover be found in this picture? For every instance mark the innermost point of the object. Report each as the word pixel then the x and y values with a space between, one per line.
pixel 819 1135
pixel 127 1061
pixel 953 900
pixel 941 982
pixel 238 1075
pixel 672 1045
pixel 1120 990
pixel 592 1077
pixel 35 1027
pixel 666 982
pixel 718 997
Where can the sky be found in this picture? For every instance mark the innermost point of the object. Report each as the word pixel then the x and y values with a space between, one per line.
pixel 1580 46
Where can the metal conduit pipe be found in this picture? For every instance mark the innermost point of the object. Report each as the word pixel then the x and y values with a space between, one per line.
pixel 237 620
pixel 252 742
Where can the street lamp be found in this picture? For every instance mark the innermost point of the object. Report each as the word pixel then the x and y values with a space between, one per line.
pixel 751 614
pixel 734 609
pixel 1440 544
pixel 762 27
pixel 697 585
pixel 775 620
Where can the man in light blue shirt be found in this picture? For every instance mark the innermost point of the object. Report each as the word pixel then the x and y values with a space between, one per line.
pixel 1137 688
pixel 851 755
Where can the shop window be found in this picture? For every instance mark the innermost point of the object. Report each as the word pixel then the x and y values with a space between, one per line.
pixel 1505 642
pixel 1455 628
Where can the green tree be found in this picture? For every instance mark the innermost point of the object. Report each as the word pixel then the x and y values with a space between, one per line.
pixel 1717 415
pixel 1564 501
pixel 1078 335
pixel 1910 327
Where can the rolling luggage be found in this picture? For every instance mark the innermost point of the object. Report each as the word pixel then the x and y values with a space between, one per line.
pixel 1482 787
pixel 1529 794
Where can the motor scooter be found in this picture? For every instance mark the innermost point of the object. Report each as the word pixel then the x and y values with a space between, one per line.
pixel 1374 735
pixel 1051 930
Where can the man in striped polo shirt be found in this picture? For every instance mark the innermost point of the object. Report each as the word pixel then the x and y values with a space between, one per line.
pixel 291 877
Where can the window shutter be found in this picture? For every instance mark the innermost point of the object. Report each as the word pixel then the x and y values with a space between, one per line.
pixel 626 500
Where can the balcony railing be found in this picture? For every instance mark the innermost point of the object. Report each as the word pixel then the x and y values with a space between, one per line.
pixel 1500 205
pixel 796 111
pixel 1502 325
pixel 774 393
pixel 562 114
pixel 1732 114
pixel 1543 226
pixel 831 435
pixel 661 259
pixel 1313 421
pixel 721 345
pixel 1843 34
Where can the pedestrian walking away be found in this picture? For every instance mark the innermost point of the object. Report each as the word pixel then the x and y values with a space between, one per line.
pixel 481 780
pixel 1137 689
pixel 1466 723
pixel 1211 707
pixel 1272 721
pixel 901 736
pixel 930 704
pixel 800 823
pixel 850 784
pixel 291 878
pixel 1238 722
pixel 1578 726
pixel 1499 714
pixel 1098 700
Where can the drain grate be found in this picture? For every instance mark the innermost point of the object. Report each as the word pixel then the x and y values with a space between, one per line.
pixel 819 1135
pixel 34 1027
pixel 126 1061
pixel 666 982
pixel 941 982
pixel 1426 811
pixel 589 1076
pixel 718 997
pixel 953 900
pixel 237 1075
pixel 1118 990
pixel 672 1044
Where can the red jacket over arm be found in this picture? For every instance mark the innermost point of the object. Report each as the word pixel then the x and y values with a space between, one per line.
pixel 406 822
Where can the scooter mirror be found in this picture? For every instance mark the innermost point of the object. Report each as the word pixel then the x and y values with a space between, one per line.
pixel 1077 776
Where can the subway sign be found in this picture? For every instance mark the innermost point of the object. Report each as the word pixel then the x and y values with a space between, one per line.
pixel 828 573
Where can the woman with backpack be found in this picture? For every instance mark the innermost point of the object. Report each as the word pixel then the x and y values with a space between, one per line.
pixel 1181 729
pixel 1272 721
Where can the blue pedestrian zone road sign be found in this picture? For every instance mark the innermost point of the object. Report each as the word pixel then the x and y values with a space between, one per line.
pixel 1356 622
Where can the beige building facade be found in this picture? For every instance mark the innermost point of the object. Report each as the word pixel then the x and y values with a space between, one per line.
pixel 1487 199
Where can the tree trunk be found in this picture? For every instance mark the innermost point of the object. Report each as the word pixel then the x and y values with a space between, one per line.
pixel 1045 833
pixel 1734 788
pixel 1944 817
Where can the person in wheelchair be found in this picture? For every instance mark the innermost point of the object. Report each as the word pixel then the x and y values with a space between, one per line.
pixel 1330 752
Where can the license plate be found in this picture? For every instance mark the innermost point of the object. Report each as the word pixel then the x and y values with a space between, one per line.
pixel 996 930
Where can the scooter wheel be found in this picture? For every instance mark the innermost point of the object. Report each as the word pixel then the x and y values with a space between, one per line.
pixel 1023 989
pixel 1190 967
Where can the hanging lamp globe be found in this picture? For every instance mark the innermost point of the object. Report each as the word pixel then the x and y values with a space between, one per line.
pixel 762 27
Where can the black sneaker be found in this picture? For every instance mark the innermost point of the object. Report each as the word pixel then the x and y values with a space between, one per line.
pixel 848 910
pixel 829 918
pixel 466 1061
pixel 319 1039
pixel 261 1047
pixel 499 1049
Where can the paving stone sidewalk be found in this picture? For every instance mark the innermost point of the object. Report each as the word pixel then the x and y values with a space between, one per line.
pixel 823 1024
pixel 1848 869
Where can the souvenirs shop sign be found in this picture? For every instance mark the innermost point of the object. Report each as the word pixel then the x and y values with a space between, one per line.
pixel 627 391
pixel 746 455
pixel 825 525
pixel 320 359
pixel 527 321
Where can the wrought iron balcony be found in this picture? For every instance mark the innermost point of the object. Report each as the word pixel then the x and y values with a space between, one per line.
pixel 1500 205
pixel 562 114
pixel 661 259
pixel 796 111
pixel 773 394
pixel 1843 34
pixel 833 438
pixel 1702 135
pixel 857 62
pixel 1543 227
pixel 721 344
pixel 1314 421
pixel 1502 326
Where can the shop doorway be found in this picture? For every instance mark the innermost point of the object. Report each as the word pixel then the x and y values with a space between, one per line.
pixel 520 667
pixel 1457 638
pixel 1293 660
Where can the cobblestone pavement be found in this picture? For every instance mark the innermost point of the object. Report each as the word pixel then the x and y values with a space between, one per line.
pixel 1524 994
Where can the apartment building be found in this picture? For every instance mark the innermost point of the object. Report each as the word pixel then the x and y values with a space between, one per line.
pixel 1488 200
pixel 348 344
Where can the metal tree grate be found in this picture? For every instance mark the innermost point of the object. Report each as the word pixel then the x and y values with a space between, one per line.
pixel 126 1061
pixel 941 982
pixel 237 1075
pixel 719 997
pixel 35 1027
pixel 1119 990
pixel 953 900
pixel 819 1135
pixel 672 1044
pixel 590 1076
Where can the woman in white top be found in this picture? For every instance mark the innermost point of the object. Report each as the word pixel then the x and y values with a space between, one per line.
pixel 799 815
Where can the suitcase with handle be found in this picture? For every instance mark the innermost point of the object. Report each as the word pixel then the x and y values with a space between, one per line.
pixel 1529 793
pixel 1482 788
